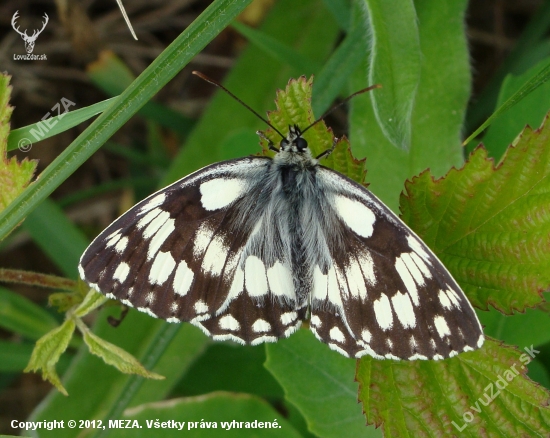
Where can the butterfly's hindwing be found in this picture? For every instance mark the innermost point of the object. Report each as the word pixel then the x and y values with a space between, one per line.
pixel 393 297
pixel 192 252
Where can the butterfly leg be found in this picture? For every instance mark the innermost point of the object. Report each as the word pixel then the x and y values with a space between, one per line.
pixel 328 151
pixel 270 144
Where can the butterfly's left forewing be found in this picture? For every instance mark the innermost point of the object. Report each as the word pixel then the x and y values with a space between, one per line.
pixel 385 294
pixel 191 252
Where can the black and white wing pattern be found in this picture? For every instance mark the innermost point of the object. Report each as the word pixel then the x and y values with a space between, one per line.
pixel 193 252
pixel 384 293
pixel 249 248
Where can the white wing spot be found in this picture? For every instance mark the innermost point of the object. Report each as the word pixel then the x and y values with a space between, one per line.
pixel 288 318
pixel 441 326
pixel 214 259
pixel 200 307
pixel 383 312
pixel 421 265
pixel 356 281
pixel 404 309
pixel 356 215
pixel 152 203
pixel 174 307
pixel 148 218
pixel 237 285
pixel 113 238
pixel 148 311
pixel 121 272
pixel 150 297
pixel 220 192
pixel 315 321
pixel 160 237
pixel 338 349
pixel 227 322
pixel 417 356
pixel 453 296
pixel 162 268
pixel 320 283
pixel 337 335
pixel 121 245
pixel 280 280
pixel 263 339
pixel 183 279
pixel 368 351
pixel 203 236
pixel 444 300
pixel 416 246
pixel 155 224
pixel 407 280
pixel 367 266
pixel 413 269
pixel 292 329
pixel 365 334
pixel 333 289
pixel 480 341
pixel 255 277
pixel 229 337
pixel 261 325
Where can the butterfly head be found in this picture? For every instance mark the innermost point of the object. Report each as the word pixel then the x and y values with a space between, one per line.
pixel 294 142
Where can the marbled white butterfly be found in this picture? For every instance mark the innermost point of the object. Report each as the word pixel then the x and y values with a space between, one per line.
pixel 248 248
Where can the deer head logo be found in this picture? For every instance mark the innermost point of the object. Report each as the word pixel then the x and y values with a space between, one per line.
pixel 29 40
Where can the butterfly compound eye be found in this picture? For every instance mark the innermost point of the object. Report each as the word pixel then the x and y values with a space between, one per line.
pixel 301 144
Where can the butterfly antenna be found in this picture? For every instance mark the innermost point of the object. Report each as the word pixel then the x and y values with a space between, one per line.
pixel 217 84
pixel 364 90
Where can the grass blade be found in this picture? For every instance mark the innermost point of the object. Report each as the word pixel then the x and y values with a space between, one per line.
pixel 54 125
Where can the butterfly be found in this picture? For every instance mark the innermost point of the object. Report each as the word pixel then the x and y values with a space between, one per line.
pixel 248 249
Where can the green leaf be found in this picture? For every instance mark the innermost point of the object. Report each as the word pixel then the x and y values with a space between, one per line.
pixel 530 111
pixel 47 351
pixel 113 355
pixel 57 236
pixel 216 407
pixel 14 175
pixel 489 225
pixel 193 39
pixel 341 11
pixel 294 107
pixel 336 71
pixel 91 301
pixel 395 63
pixel 31 134
pixel 531 327
pixel 439 107
pixel 14 356
pixel 233 368
pixel 275 48
pixel 536 81
pixel 319 382
pixel 481 393
pixel 94 398
pixel 20 315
